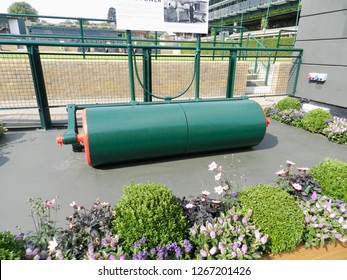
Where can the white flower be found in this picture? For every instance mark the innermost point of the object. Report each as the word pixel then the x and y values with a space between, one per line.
pixel 290 163
pixel 219 190
pixel 189 206
pixel 52 245
pixel 218 176
pixel 73 204
pixel 206 193
pixel 212 166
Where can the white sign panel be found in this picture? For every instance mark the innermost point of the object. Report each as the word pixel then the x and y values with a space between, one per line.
pixel 188 16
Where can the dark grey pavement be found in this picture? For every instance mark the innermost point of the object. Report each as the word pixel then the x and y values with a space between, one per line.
pixel 32 164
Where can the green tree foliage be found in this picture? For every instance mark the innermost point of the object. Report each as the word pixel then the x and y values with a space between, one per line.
pixel 23 8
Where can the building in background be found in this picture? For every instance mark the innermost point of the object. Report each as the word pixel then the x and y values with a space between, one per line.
pixel 255 14
pixel 322 33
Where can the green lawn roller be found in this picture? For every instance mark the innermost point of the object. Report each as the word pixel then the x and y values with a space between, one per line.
pixel 113 134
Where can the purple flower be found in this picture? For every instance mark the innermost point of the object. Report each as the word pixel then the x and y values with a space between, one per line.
pixel 213 234
pixel 244 220
pixel 152 251
pixel 143 240
pixel 338 236
pixel 137 244
pixel 235 217
pixel 233 254
pixel 307 219
pixel 221 247
pixel 187 245
pixel 244 248
pixel 313 218
pixel 234 194
pixel 112 257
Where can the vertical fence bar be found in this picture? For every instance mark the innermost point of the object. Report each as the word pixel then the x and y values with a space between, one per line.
pixel 39 85
pixel 231 74
pixel 297 73
pixel 197 66
pixel 147 74
pixel 130 65
pixel 82 37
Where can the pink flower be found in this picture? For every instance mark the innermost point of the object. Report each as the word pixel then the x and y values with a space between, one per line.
pixel 281 173
pixel 189 206
pixel 213 250
pixel 314 196
pixel 50 203
pixel 297 186
pixel 216 201
pixel 263 240
pixel 290 163
pixel 203 253
pixel 244 248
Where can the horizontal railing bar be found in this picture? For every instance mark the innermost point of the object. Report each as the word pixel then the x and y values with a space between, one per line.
pixel 70 44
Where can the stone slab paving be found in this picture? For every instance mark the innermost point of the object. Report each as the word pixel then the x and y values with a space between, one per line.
pixel 32 164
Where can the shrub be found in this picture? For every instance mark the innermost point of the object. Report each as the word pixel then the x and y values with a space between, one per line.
pixel 336 130
pixel 288 103
pixel 11 247
pixel 325 220
pixel 230 236
pixel 316 120
pixel 2 129
pixel 300 184
pixel 148 211
pixel 276 214
pixel 331 174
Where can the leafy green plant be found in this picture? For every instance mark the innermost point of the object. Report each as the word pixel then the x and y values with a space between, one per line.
pixel 230 236
pixel 288 103
pixel 200 209
pixel 2 129
pixel 107 248
pixel 331 174
pixel 41 212
pixel 11 247
pixel 86 228
pixel 336 130
pixel 316 120
pixel 300 184
pixel 148 211
pixel 325 220
pixel 276 213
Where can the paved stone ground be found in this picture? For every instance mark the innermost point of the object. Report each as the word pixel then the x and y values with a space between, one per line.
pixel 33 165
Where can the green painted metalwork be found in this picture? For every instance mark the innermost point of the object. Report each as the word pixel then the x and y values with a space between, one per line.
pixel 147 75
pixel 40 88
pixel 197 66
pixel 130 66
pixel 133 133
pixel 231 74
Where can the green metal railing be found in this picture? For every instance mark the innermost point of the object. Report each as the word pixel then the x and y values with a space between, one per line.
pixel 147 69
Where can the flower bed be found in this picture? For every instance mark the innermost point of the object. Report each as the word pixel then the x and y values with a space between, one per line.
pixel 150 223
pixel 289 111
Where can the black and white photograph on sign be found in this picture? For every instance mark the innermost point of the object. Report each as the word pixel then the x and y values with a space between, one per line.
pixel 188 16
pixel 185 11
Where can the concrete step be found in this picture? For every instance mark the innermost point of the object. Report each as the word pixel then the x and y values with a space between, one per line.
pixel 255 83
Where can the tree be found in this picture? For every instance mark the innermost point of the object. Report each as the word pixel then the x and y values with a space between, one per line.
pixel 111 15
pixel 23 8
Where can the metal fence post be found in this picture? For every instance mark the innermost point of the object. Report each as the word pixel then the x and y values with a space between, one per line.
pixel 197 66
pixel 231 74
pixel 39 85
pixel 147 75
pixel 130 65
